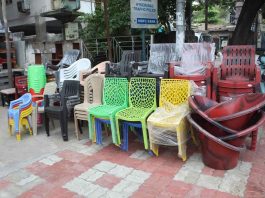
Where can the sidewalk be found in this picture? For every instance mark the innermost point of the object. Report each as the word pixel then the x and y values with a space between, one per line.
pixel 41 166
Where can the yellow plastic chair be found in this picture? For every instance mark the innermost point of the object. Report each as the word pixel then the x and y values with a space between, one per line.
pixel 167 125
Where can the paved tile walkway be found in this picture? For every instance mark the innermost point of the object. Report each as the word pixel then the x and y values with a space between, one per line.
pixel 83 169
pixel 89 170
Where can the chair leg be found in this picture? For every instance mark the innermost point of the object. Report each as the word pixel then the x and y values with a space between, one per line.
pixel 91 126
pixel 77 132
pixel 153 147
pixel 125 130
pixel 115 139
pixel 46 121
pixel 118 130
pixel 182 136
pixel 80 125
pixel 145 135
pixel 64 126
pixel 34 120
pixel 98 131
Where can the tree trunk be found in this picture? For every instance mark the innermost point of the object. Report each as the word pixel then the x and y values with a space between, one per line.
pixel 98 4
pixel 107 33
pixel 8 50
pixel 242 33
pixel 206 14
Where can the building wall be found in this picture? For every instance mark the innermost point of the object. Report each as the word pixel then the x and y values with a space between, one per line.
pixel 16 18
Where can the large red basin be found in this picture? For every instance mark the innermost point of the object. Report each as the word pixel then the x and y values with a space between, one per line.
pixel 236 113
pixel 216 153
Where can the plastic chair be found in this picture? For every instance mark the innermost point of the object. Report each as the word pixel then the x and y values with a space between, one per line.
pixel 18 114
pixel 167 125
pixel 238 73
pixel 122 68
pixel 142 102
pixel 68 98
pixel 115 98
pixel 93 94
pixel 36 80
pixel 21 85
pixel 196 64
pixel 68 59
pixel 99 68
pixel 38 105
pixel 73 71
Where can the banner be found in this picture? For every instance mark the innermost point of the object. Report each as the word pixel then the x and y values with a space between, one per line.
pixel 144 14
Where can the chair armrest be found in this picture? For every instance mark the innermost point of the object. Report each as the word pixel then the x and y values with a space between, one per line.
pixel 15 103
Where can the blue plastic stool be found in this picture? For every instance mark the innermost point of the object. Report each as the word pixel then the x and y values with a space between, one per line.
pixel 98 126
pixel 125 132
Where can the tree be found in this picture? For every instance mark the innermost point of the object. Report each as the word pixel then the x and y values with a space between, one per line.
pixel 242 34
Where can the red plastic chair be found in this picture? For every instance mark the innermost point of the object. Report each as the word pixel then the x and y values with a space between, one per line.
pixel 21 85
pixel 199 79
pixel 238 73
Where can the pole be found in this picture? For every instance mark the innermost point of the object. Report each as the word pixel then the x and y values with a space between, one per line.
pixel 143 55
pixel 180 26
pixel 8 53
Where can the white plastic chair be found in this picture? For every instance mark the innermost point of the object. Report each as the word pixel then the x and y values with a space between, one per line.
pixel 73 71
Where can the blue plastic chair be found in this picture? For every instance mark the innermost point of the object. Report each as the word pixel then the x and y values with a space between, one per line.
pixel 18 113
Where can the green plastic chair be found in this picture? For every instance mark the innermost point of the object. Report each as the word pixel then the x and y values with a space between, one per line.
pixel 36 79
pixel 115 98
pixel 142 102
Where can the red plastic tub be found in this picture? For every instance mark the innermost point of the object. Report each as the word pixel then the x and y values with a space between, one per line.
pixel 236 113
pixel 216 153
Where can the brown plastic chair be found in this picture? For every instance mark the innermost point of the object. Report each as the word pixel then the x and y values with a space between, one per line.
pixel 99 68
pixel 50 89
pixel 93 85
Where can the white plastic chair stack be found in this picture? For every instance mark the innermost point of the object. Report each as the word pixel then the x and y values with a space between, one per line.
pixel 73 71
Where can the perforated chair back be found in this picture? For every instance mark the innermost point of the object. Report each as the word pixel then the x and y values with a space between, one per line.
pixel 115 91
pixel 142 92
pixel 174 91
pixel 93 89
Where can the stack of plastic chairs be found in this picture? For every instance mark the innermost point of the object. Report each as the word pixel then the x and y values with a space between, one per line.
pixel 167 125
pixel 18 114
pixel 238 73
pixel 73 71
pixel 115 98
pixel 142 102
pixel 196 64
pixel 36 80
pixel 93 86
pixel 21 85
pixel 38 107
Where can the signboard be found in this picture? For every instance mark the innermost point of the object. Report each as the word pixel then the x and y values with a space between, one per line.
pixel 144 14
pixel 71 31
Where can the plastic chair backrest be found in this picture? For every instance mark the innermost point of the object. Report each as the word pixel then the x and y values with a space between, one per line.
pixel 142 92
pixel 93 89
pixel 115 91
pixel 21 80
pixel 50 88
pixel 69 57
pixel 127 57
pixel 160 54
pixel 70 88
pixel 72 72
pixel 174 91
pixel 36 78
pixel 238 60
